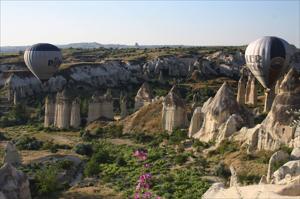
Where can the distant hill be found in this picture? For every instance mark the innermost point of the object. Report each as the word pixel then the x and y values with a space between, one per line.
pixel 85 45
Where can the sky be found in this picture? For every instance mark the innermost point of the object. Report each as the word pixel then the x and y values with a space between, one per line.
pixel 196 23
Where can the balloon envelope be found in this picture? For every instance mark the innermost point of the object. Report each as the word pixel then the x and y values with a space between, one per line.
pixel 268 58
pixel 43 60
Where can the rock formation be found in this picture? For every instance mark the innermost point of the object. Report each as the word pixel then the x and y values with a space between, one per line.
pixel 14 184
pixel 222 116
pixel 63 110
pixel 123 106
pixel 49 111
pixel 277 128
pixel 173 111
pixel 286 173
pixel 295 155
pixel 234 177
pixel 101 107
pixel 276 159
pixel 196 122
pixel 269 98
pixel 94 108
pixel 143 97
pixel 75 119
pixel 12 155
pixel 107 108
pixel 241 89
pixel 252 99
pixel 284 183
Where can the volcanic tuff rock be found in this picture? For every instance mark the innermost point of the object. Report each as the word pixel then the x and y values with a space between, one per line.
pixel 14 184
pixel 222 116
pixel 143 97
pixel 286 173
pixel 12 155
pixel 196 122
pixel 277 129
pixel 295 155
pixel 174 111
pixel 276 159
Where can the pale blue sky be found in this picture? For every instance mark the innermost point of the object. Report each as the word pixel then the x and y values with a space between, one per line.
pixel 158 22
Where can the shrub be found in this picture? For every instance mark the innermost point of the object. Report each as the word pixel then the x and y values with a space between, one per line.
pixel 19 113
pixel 2 137
pixel 247 179
pixel 92 168
pixel 28 143
pixel 65 164
pixel 181 158
pixel 226 146
pixel 83 149
pixel 222 170
pixel 46 181
pixel 177 136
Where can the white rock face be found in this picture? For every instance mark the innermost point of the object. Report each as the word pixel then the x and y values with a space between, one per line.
pixel 101 106
pixel 173 111
pixel 276 129
pixel 143 97
pixel 277 158
pixel 63 110
pixel 262 191
pixel 287 172
pixel 49 111
pixel 14 184
pixel 196 122
pixel 222 116
pixel 233 177
pixel 107 109
pixel 123 107
pixel 295 155
pixel 75 119
pixel 241 89
pixel 12 155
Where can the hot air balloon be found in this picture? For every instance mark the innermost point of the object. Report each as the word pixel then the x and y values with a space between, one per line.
pixel 268 58
pixel 43 60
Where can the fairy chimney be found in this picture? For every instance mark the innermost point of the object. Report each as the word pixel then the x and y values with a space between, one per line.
pixel 196 122
pixel 49 111
pixel 12 155
pixel 242 89
pixel 94 108
pixel 75 113
pixel 63 110
pixel 143 97
pixel 123 106
pixel 174 111
pixel 252 98
pixel 107 108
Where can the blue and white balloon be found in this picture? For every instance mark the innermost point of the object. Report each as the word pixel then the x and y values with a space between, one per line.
pixel 43 60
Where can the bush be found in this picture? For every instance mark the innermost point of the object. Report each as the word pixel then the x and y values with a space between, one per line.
pixel 46 181
pixel 222 170
pixel 247 179
pixel 83 149
pixel 28 143
pixel 181 158
pixel 177 136
pixel 19 113
pixel 2 137
pixel 92 168
pixel 226 146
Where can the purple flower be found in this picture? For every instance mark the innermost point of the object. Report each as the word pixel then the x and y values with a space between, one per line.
pixel 147 195
pixel 146 165
pixel 142 155
pixel 136 196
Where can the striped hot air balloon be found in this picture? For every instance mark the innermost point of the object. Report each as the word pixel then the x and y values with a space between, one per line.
pixel 43 60
pixel 268 58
